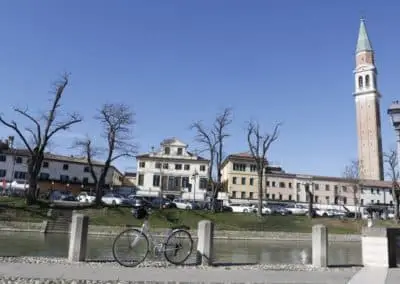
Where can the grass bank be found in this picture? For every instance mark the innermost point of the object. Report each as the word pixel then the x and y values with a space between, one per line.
pixel 15 209
pixel 223 221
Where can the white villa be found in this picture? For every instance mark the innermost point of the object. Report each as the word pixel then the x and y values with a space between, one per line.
pixel 173 169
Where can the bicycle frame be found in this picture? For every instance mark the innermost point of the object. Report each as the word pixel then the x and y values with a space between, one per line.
pixel 145 229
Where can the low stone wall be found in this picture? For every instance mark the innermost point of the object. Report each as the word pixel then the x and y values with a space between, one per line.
pixel 10 226
pixel 95 230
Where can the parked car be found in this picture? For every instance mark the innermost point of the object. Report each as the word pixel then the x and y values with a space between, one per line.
pixel 59 194
pixel 297 209
pixel 70 198
pixel 324 212
pixel 183 204
pixel 166 203
pixel 242 208
pixel 85 197
pixel 278 210
pixel 114 199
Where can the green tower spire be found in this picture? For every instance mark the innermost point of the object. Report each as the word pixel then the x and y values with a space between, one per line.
pixel 363 43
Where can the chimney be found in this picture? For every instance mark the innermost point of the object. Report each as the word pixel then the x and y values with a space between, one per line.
pixel 10 142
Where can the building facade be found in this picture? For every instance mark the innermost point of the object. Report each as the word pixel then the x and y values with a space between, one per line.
pixel 367 103
pixel 58 172
pixel 173 170
pixel 241 181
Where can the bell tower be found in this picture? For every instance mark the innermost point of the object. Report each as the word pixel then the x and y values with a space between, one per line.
pixel 367 103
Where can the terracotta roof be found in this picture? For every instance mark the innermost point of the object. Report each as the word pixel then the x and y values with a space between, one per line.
pixel 54 157
pixel 130 174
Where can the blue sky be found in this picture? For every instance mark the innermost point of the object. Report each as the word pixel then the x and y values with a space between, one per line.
pixel 175 62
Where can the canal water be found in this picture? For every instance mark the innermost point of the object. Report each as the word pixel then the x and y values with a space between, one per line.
pixel 226 251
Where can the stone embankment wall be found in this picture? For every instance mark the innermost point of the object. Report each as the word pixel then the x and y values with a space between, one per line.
pixel 230 235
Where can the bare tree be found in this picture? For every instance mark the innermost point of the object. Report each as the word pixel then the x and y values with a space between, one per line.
pixel 117 122
pixel 352 176
pixel 38 137
pixel 212 141
pixel 391 160
pixel 259 145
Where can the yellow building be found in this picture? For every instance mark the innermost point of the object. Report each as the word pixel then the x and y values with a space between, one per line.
pixel 239 174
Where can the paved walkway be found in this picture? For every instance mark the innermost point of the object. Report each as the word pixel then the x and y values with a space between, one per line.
pixel 187 275
pixel 107 272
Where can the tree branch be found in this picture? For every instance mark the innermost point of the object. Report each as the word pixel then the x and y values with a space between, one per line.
pixel 13 125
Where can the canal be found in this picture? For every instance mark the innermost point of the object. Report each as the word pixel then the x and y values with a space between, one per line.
pixel 226 251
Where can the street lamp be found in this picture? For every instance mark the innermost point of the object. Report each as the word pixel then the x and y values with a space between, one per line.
pixel 394 112
pixel 194 176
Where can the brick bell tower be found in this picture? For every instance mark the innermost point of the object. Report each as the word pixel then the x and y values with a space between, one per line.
pixel 368 118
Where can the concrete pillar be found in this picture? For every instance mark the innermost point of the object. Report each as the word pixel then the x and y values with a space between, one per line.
pixel 319 246
pixel 78 238
pixel 205 244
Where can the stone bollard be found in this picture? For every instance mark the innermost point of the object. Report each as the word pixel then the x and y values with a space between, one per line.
pixel 205 244
pixel 78 238
pixel 319 246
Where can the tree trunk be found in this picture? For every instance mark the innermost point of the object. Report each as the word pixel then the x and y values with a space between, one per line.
pixel 31 193
pixel 260 194
pixel 310 203
pixel 396 207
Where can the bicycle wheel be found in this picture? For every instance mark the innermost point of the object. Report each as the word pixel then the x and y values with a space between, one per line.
pixel 178 247
pixel 130 248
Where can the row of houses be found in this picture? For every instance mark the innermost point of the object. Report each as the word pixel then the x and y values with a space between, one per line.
pixel 174 170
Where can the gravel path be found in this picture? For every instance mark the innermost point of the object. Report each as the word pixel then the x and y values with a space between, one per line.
pixel 165 264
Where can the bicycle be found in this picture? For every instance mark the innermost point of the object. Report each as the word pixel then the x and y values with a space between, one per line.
pixel 171 246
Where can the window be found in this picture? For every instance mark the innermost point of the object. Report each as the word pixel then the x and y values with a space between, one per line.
pixel 298 185
pixel 165 166
pixel 316 198
pixel 267 196
pixel 344 200
pixel 377 191
pixel 179 152
pixel 156 180
pixel 243 194
pixel 251 181
pixel 362 202
pixel 202 168
pixel 344 188
pixel 360 82
pixel 20 175
pixel 3 158
pixel 187 167
pixel 203 183
pixel 336 188
pixel 45 165
pixel 327 199
pixel 251 195
pixel 267 182
pixel 142 164
pixel 372 190
pixel 167 150
pixel 158 165
pixel 3 173
pixel 18 160
pixel 290 197
pixel 377 202
pixel 64 178
pixel 185 182
pixel 253 168
pixel 141 180
pixel 44 176
pixel 273 184
pixel 367 81
pixel 326 186
pixel 280 196
pixel 273 196
pixel 65 167
pixel 239 167
pixel 316 186
pixel 233 194
pixel 86 169
pixel 243 180
pixel 282 185
pixel 178 166
pixel 85 180
pixel 290 185
pixel 234 180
